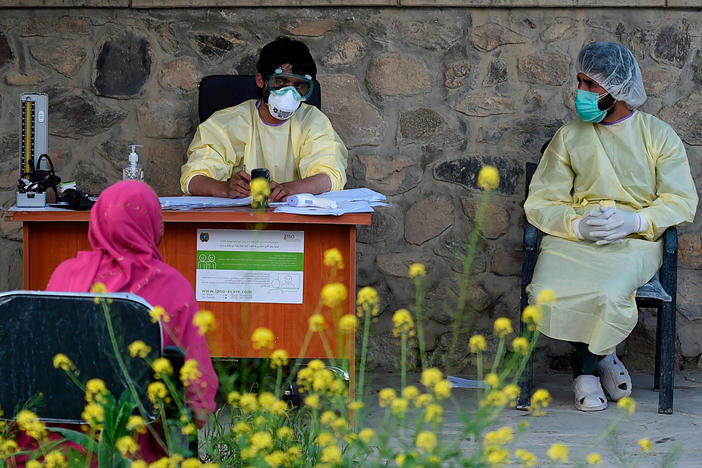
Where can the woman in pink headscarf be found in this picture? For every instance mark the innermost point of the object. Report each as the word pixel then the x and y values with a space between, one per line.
pixel 125 230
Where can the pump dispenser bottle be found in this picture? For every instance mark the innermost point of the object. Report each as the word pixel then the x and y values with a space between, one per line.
pixel 134 170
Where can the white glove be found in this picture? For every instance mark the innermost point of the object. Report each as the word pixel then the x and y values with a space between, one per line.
pixel 592 232
pixel 613 224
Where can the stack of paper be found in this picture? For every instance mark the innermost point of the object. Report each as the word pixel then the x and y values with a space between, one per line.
pixel 358 200
pixel 188 203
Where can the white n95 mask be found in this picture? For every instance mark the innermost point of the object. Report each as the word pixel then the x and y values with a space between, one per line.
pixel 283 103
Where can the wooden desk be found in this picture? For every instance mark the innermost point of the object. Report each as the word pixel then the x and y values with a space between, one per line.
pixel 53 236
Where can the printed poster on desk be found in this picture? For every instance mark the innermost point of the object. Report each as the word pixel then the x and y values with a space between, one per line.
pixel 241 265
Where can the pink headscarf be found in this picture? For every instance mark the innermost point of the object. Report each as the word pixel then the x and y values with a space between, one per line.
pixel 125 230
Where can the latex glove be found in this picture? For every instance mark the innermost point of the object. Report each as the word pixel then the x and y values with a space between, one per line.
pixel 593 232
pixel 612 227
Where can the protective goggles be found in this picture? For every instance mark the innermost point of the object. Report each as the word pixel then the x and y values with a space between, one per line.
pixel 279 81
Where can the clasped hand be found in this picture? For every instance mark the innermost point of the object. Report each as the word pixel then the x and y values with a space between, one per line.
pixel 608 225
pixel 239 186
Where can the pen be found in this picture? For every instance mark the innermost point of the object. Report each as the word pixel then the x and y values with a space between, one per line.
pixel 244 167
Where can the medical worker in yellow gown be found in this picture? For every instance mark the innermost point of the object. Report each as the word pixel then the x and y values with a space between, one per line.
pixel 608 185
pixel 293 140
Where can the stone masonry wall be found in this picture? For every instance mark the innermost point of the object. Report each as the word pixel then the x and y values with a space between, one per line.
pixel 423 97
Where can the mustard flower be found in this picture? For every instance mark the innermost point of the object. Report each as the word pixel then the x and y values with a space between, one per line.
pixel 8 447
pixel 366 435
pixel 279 358
pixel 417 270
pixel 558 452
pixel 312 401
pixel 162 366
pixel 386 397
pixel 355 405
pixel 29 423
pixel 442 389
pixel 275 458
pixel 98 288
pixel 316 323
pixel 279 407
pixel 628 404
pixel 325 438
pixel 204 321
pixel 645 445
pixel 261 440
pixel 333 294
pixel 494 398
pixel 423 400
pixel 410 392
pixel 348 323
pixel 266 400
pixel 511 392
pixel 260 190
pixel 499 437
pixel 399 407
pixel 328 417
pixel 526 458
pixel 95 391
pixel 403 323
pixel 498 456
pixel 284 432
pixel 333 258
pixel 93 413
pixel 331 454
pixel 262 338
pixel 139 349
pixel 434 414
pixel 493 380
pixel 545 296
pixel 35 464
pixel 188 429
pixel 539 400
pixel 54 459
pixel 531 315
pixel 503 326
pixel 61 361
pixel 139 464
pixel 400 459
pixel 241 428
pixel 520 345
pixel 189 373
pixel 431 376
pixel 136 423
pixel 157 391
pixel 426 441
pixel 367 298
pixel 126 445
pixel 190 463
pixel 488 178
pixel 158 313
pixel 477 343
pixel 316 365
pixel 594 459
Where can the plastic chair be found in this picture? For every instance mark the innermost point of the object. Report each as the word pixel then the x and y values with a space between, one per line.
pixel 37 325
pixel 652 294
pixel 218 92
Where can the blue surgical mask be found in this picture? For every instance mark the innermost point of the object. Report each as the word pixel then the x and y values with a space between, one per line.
pixel 586 105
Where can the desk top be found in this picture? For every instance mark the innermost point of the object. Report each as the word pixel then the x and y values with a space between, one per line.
pixel 218 215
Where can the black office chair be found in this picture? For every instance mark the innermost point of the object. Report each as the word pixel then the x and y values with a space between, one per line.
pixel 218 92
pixel 652 294
pixel 37 325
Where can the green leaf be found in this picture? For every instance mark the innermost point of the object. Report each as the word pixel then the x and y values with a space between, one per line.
pixel 76 437
pixel 103 454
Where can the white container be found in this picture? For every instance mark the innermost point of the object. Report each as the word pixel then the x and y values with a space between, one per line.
pixel 133 170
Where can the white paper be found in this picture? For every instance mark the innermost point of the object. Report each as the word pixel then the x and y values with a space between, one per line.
pixel 187 203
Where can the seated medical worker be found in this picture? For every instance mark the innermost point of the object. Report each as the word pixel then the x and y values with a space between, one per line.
pixel 607 187
pixel 293 140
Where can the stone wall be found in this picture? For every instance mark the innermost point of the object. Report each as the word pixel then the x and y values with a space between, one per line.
pixel 423 97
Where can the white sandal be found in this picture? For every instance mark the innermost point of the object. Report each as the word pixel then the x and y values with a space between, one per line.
pixel 616 380
pixel 588 393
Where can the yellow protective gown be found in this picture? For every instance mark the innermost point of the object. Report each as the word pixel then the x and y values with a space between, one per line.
pixel 638 165
pixel 302 146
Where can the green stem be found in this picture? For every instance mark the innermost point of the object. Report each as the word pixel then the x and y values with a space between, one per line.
pixel 298 361
pixel 278 381
pixel 327 348
pixel 403 364
pixel 498 355
pixel 419 296
pixel 364 350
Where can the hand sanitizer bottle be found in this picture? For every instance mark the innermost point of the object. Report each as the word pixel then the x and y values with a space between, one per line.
pixel 134 170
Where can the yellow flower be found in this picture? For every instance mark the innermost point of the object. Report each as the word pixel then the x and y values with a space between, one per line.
pixel 426 441
pixel 511 392
pixel 431 376
pixel 497 456
pixel 157 391
pixel 442 389
pixel 526 458
pixel 54 459
pixel 316 323
pixel 366 435
pixel 262 338
pixel 410 392
pixel 539 400
pixel 477 343
pixel 403 323
pixel 498 437
pixel 279 358
pixel 139 349
pixel 434 414
pixel 367 298
pixel 399 407
pixel 495 398
pixel 331 454
pixel 95 391
pixel 628 404
pixel 139 464
pixel 325 438
pixel 275 458
pixel 126 445
pixel 266 400
pixel 488 178
pixel 347 323
pixel 93 413
pixel 328 417
pixel 35 464
pixel 279 408
pixel 158 313
pixel 558 452
pixel 417 270
pixel 29 423
pixel 520 345
pixel 531 315
pixel 162 366
pixel 645 445
pixel 188 429
pixel 545 296
pixel 98 288
pixel 8 447
pixel 386 396
pixel 190 463
pixel 284 433
pixel 189 373
pixel 503 326
pixel 355 405
pixel 312 401
pixel 400 459
pixel 241 428
pixel 260 189
pixel 136 423
pixel 204 321
pixel 594 459
pixel 333 258
pixel 61 361
pixel 423 400
pixel 493 380
pixel 261 440
pixel 333 294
